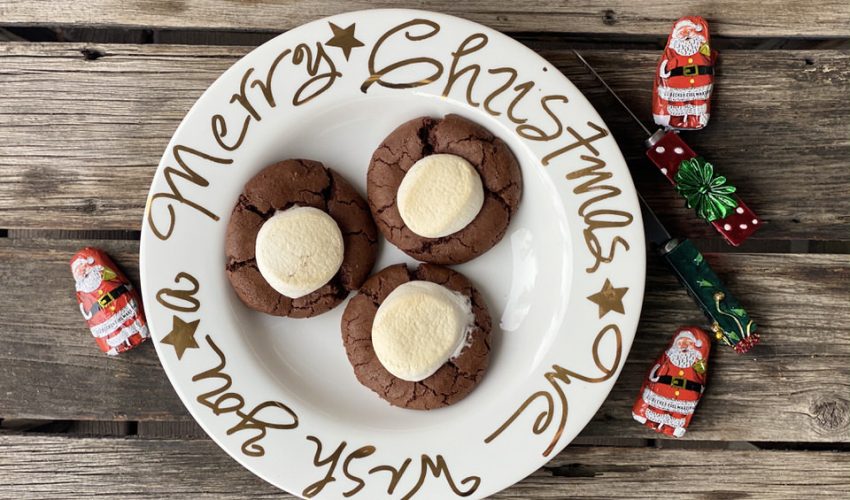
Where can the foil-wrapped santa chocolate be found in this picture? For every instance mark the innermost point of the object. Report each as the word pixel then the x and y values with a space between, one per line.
pixel 675 383
pixel 108 302
pixel 684 79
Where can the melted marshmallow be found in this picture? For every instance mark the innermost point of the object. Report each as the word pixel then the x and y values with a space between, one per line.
pixel 440 195
pixel 299 250
pixel 420 326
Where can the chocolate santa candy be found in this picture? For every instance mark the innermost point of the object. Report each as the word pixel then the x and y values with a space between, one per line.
pixel 696 179
pixel 108 302
pixel 685 76
pixel 675 383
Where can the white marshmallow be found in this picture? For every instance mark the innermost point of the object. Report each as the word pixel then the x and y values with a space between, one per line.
pixel 440 195
pixel 299 250
pixel 419 327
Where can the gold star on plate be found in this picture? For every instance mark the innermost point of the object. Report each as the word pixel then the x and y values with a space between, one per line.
pixel 344 39
pixel 609 299
pixel 182 336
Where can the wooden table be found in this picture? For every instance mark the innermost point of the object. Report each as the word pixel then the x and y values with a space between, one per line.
pixel 91 91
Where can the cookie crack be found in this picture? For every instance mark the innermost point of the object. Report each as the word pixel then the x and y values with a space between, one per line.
pixel 361 232
pixel 473 138
pixel 278 301
pixel 236 265
pixel 247 205
pixel 500 193
pixel 327 192
pixel 424 134
pixel 396 157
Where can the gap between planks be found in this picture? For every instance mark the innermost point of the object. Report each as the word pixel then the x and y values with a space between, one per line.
pixel 536 40
pixel 824 18
pixel 714 245
pixel 189 430
pixel 199 468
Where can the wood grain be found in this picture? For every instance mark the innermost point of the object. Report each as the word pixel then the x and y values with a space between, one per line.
pixel 140 468
pixel 163 429
pixel 189 429
pixel 793 387
pixel 823 18
pixel 80 138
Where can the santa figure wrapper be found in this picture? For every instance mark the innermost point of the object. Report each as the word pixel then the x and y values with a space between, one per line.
pixel 684 78
pixel 109 303
pixel 675 383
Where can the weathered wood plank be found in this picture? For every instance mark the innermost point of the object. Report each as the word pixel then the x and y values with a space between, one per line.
pixel 768 18
pixel 170 468
pixel 110 428
pixel 60 365
pixel 792 175
pixel 99 428
pixel 189 429
pixel 80 138
pixel 176 429
pixel 793 387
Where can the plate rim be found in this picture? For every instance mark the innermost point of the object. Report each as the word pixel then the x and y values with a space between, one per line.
pixel 630 198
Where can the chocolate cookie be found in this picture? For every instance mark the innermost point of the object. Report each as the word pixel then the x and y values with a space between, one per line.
pixel 451 382
pixel 308 184
pixel 491 157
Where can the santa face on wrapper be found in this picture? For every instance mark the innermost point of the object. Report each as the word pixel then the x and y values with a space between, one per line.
pixel 108 302
pixel 685 77
pixel 675 383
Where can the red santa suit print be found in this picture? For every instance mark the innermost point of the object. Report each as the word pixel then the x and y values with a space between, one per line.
pixel 674 386
pixel 685 77
pixel 108 302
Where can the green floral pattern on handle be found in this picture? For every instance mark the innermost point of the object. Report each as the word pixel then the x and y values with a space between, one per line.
pixel 707 193
pixel 729 320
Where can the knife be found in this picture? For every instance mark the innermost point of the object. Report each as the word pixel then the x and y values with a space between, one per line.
pixel 729 321
pixel 694 178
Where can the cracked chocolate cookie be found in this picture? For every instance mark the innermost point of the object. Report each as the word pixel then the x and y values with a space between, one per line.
pixel 453 209
pixel 300 238
pixel 387 335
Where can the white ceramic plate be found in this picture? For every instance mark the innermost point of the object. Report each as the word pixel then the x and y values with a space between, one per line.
pixel 564 286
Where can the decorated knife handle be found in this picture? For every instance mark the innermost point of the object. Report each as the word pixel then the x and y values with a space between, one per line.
pixel 703 190
pixel 731 323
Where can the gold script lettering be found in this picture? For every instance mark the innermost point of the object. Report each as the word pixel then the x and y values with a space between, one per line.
pixel 242 99
pixel 496 93
pixel 249 420
pixel 395 474
pixel 580 141
pixel 523 89
pixel 454 74
pixel 438 469
pixel 377 75
pixel 362 452
pixel 183 295
pixel 600 218
pixel 302 53
pixel 562 375
pixel 219 130
pixel 533 133
pixel 183 172
pixel 332 459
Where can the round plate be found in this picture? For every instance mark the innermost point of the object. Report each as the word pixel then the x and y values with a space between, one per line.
pixel 564 286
